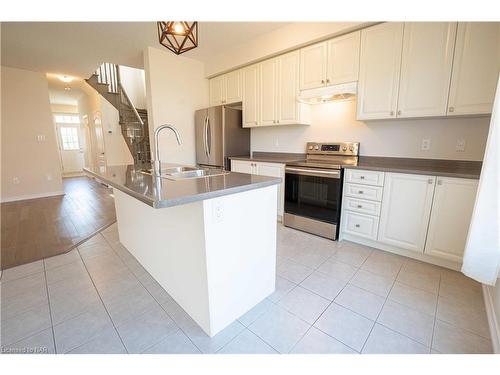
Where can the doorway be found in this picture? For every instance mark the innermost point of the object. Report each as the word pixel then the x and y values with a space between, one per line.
pixel 71 145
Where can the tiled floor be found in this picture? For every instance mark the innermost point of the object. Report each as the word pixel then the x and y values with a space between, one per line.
pixel 330 298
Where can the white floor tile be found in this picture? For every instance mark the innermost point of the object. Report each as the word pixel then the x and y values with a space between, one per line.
pixel 25 324
pixel 39 343
pixel 175 343
pixel 22 271
pixel 247 343
pixel 257 311
pixel 293 271
pixel 305 304
pixel 361 301
pixel 317 342
pixel 382 340
pixel 283 286
pixel 326 286
pixel 106 342
pixel 429 283
pixel 280 329
pixel 345 325
pixel 469 317
pixel 61 260
pixel 449 339
pixel 371 282
pixel 213 344
pixel 417 299
pixel 338 270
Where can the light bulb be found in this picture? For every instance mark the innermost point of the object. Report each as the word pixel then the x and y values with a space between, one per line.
pixel 178 28
pixel 65 78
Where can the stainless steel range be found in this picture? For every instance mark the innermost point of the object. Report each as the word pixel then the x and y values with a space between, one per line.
pixel 313 187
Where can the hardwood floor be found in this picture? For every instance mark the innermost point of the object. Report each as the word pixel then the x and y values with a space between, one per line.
pixel 38 228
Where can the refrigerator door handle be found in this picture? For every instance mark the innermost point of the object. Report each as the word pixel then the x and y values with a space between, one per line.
pixel 205 133
pixel 209 137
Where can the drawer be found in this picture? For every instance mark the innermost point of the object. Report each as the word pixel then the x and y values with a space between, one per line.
pixel 362 206
pixel 360 225
pixel 373 193
pixel 359 176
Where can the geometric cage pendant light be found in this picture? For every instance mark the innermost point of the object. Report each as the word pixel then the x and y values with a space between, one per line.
pixel 178 36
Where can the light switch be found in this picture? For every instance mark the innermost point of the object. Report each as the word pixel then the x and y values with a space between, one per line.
pixel 460 146
pixel 218 211
pixel 426 144
pixel 15 181
pixel 40 137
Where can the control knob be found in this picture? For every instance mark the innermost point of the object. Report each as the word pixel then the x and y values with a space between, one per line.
pixel 310 147
pixel 351 148
pixel 316 147
pixel 344 148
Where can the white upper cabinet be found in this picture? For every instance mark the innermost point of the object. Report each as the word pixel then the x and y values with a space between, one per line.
pixel 268 92
pixel 379 71
pixel 343 59
pixel 426 68
pixel 313 63
pixel 451 214
pixel 406 207
pixel 233 87
pixel 475 68
pixel 288 110
pixel 251 96
pixel 226 88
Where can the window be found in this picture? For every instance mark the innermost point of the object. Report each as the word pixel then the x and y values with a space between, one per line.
pixel 69 138
pixel 67 119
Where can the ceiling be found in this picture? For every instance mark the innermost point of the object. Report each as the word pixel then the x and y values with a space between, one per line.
pixel 77 48
pixel 59 93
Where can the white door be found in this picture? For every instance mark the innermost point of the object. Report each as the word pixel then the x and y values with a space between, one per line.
pixel 426 68
pixel 450 218
pixel 379 70
pixel 406 207
pixel 475 68
pixel 288 88
pixel 268 92
pixel 242 166
pixel 343 59
pixel 251 96
pixel 217 93
pixel 233 87
pixel 273 170
pixel 100 152
pixel 313 60
pixel 70 143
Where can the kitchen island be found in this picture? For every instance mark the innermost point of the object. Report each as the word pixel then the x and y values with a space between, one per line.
pixel 210 241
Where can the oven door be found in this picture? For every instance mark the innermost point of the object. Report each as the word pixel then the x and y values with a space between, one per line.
pixel 312 200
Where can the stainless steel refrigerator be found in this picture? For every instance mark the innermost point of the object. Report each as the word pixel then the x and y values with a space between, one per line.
pixel 219 135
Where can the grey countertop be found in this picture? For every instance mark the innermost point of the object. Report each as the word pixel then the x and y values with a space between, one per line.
pixel 434 167
pixel 270 157
pixel 162 192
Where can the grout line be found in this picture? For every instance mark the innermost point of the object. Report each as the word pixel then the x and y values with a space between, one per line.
pixel 435 315
pixel 50 309
pixel 105 308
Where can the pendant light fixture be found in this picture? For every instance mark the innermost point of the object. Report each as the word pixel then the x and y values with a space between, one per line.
pixel 178 36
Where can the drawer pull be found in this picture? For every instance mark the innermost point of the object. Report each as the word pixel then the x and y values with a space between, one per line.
pixel 360 191
pixel 357 225
pixel 362 177
pixel 360 206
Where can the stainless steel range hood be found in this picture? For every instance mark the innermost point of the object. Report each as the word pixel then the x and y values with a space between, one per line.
pixel 344 91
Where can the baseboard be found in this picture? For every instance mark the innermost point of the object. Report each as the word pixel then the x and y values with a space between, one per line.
pixel 493 322
pixel 32 196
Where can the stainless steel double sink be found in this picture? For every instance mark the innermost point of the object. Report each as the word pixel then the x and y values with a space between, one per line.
pixel 181 172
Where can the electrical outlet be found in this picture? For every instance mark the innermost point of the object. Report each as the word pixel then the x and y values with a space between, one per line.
pixel 426 144
pixel 16 181
pixel 460 146
pixel 218 212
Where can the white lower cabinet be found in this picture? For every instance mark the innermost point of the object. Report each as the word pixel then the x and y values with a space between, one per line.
pixel 264 169
pixel 450 218
pixel 406 207
pixel 421 216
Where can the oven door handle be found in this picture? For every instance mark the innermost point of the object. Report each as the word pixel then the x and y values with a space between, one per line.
pixel 313 172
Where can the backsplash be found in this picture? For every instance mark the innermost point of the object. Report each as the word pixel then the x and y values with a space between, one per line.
pixel 392 138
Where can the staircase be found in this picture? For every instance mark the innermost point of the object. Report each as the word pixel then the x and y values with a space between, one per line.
pixel 133 121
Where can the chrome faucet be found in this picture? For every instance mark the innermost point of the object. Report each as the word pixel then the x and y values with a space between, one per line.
pixel 157 162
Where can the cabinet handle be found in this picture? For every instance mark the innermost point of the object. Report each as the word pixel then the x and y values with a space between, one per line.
pixel 322 81
pixel 278 121
pixel 451 109
pixel 430 181
pixel 360 191
pixel 392 113
pixel 399 113
pixel 357 225
pixel 328 80
pixel 362 177
pixel 360 206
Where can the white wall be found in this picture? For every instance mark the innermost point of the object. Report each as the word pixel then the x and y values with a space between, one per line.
pixel 393 138
pixel 176 88
pixel 133 81
pixel 116 149
pixel 63 108
pixel 286 38
pixel 25 114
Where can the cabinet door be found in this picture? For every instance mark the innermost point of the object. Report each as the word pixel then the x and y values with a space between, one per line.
pixel 426 68
pixel 217 90
pixel 250 96
pixel 274 170
pixel 313 66
pixel 233 87
pixel 379 70
pixel 451 214
pixel 343 59
pixel 242 166
pixel 406 207
pixel 475 68
pixel 268 92
pixel 288 88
